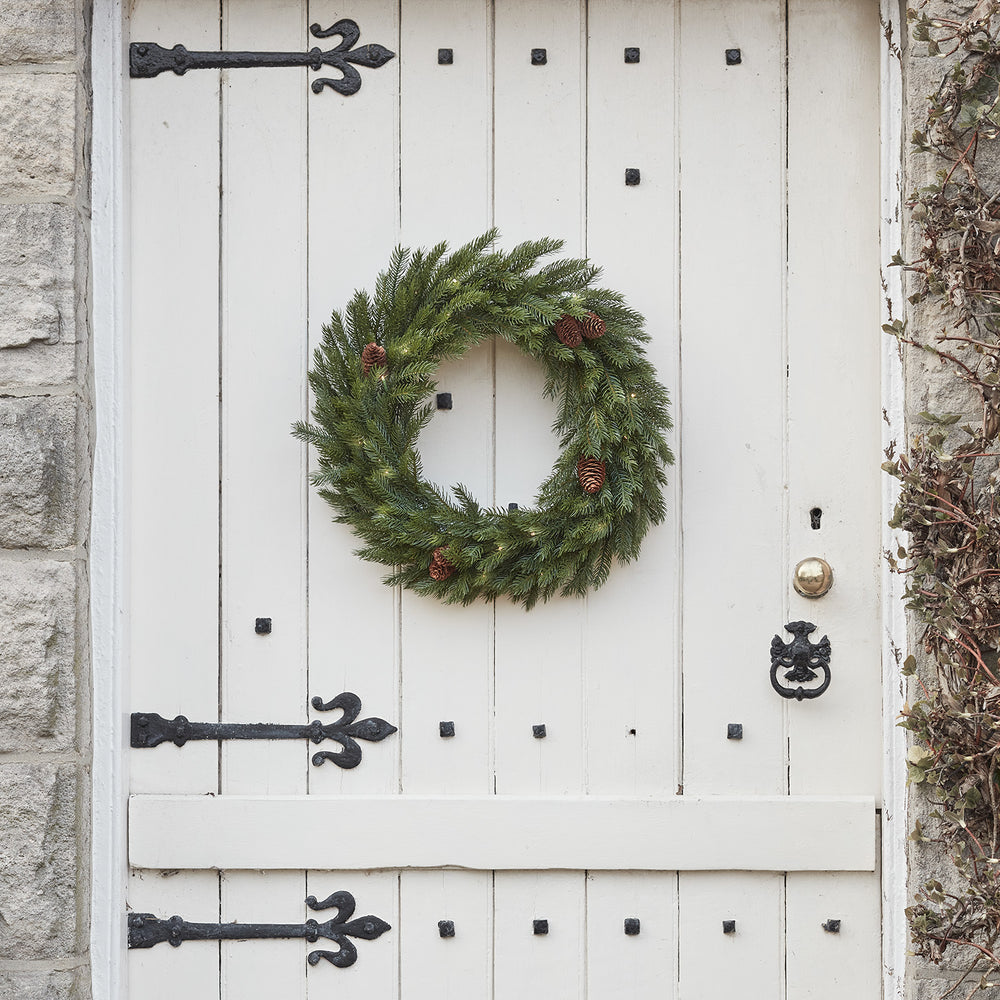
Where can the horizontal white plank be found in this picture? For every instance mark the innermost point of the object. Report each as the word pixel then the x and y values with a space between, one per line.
pixel 772 833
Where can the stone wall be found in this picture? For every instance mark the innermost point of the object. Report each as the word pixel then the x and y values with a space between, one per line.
pixel 44 475
pixel 931 386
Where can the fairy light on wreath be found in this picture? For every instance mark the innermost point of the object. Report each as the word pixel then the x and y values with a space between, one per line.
pixel 372 379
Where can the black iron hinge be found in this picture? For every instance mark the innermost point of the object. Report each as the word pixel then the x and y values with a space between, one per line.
pixel 145 930
pixel 150 730
pixel 147 59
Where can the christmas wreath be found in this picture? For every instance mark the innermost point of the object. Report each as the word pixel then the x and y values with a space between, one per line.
pixel 373 380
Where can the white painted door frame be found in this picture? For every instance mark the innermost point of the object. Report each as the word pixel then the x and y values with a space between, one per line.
pixel 109 298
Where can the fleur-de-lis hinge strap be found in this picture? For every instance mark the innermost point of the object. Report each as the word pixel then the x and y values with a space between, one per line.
pixel 150 730
pixel 147 59
pixel 145 930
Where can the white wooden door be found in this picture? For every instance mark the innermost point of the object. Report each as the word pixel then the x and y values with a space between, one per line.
pixel 750 244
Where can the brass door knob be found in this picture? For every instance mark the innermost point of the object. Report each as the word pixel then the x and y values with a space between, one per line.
pixel 813 577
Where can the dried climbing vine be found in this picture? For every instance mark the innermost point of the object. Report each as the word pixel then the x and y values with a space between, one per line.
pixel 949 482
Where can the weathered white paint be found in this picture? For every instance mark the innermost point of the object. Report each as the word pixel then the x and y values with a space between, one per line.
pixel 460 966
pixel 833 353
pixel 445 194
pixel 263 540
pixel 353 219
pixel 108 858
pixel 820 965
pixel 635 965
pixel 552 964
pixel 171 460
pixel 540 143
pixel 354 640
pixel 747 962
pixel 262 349
pixel 642 754
pixel 731 129
pixel 172 451
pixel 692 833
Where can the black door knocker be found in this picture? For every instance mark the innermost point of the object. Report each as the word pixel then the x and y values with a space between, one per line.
pixel 803 659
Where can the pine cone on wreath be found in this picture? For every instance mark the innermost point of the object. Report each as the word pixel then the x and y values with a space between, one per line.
pixel 592 326
pixel 568 330
pixel 373 356
pixel 591 473
pixel 441 567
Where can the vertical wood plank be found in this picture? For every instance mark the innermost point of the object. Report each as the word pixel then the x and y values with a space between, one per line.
pixel 833 966
pixel 447 652
pixel 833 390
pixel 459 967
pixel 161 973
pixel 263 361
pixel 173 451
pixel 733 367
pixel 173 460
pixel 544 965
pixel 445 166
pixel 353 210
pixel 446 135
pixel 748 962
pixel 263 468
pixel 353 225
pixel 539 130
pixel 264 968
pixel 538 191
pixel 640 966
pixel 539 134
pixel 632 622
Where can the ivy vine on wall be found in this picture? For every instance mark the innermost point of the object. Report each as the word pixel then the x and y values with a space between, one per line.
pixel 949 476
